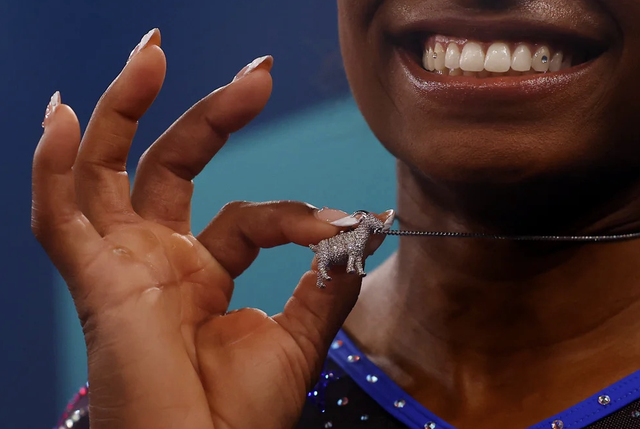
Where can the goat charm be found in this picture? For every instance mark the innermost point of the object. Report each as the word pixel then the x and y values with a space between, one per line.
pixel 348 247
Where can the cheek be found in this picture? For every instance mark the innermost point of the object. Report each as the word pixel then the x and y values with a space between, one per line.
pixel 348 13
pixel 362 53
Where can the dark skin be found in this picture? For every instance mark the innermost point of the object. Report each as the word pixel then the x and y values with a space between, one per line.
pixel 153 299
pixel 506 332
pixel 502 331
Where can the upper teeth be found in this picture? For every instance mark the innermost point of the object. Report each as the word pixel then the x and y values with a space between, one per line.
pixel 470 58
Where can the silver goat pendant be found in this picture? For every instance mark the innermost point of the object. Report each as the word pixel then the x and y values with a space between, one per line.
pixel 348 247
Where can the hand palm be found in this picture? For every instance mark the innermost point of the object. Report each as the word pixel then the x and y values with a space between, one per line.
pixel 177 292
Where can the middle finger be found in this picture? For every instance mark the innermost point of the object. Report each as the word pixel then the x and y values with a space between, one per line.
pixel 102 184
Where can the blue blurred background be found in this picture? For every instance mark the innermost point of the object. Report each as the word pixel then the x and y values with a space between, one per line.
pixel 301 147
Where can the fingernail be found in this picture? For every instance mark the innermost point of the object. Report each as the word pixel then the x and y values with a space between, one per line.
pixel 389 217
pixel 54 102
pixel 376 240
pixel 263 62
pixel 143 42
pixel 336 217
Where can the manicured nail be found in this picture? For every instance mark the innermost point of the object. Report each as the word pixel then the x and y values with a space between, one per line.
pixel 389 217
pixel 265 62
pixel 51 108
pixel 336 217
pixel 375 241
pixel 143 42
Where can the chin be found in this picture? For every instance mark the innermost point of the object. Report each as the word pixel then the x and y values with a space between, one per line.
pixel 505 96
pixel 461 153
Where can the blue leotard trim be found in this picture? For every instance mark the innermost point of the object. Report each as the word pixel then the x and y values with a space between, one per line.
pixel 408 411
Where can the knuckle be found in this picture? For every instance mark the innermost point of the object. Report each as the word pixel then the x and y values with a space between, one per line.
pixel 167 157
pixel 289 206
pixel 294 204
pixel 37 229
pixel 144 159
pixel 234 206
pixel 91 168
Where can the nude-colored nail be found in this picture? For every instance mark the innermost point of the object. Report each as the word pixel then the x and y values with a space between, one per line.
pixel 262 62
pixel 389 216
pixel 143 42
pixel 54 102
pixel 336 217
pixel 375 241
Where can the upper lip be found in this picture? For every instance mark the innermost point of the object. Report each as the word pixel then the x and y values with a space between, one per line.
pixel 573 26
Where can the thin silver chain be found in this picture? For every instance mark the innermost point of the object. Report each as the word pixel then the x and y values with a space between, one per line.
pixel 594 238
pixel 575 238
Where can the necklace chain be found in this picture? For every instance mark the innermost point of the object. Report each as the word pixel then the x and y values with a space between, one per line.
pixel 584 238
pixel 574 238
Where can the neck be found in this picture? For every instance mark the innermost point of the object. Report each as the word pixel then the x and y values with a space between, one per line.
pixel 487 319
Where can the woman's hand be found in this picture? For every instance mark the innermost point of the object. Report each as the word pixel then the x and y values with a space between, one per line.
pixel 163 352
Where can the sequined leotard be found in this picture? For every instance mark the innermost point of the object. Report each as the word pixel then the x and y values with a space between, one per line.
pixel 353 393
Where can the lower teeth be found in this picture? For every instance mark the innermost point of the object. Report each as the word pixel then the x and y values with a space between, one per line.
pixel 484 73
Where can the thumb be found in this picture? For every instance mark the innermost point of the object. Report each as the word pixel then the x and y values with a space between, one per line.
pixel 313 316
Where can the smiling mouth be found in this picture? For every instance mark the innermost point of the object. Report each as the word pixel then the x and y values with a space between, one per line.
pixel 497 52
pixel 452 56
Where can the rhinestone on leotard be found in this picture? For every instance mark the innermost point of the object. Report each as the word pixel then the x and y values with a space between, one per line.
pixel 604 400
pixel 400 403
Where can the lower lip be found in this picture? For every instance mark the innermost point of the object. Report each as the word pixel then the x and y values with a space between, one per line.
pixel 463 90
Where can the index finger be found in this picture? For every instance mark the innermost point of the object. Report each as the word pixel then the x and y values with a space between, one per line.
pixel 236 235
